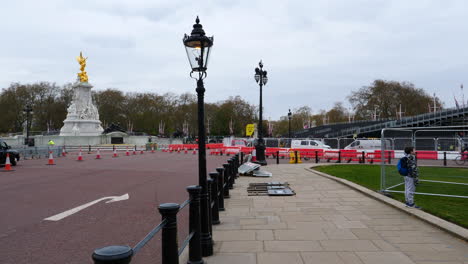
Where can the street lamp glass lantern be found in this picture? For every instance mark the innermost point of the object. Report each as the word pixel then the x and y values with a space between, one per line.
pixel 257 77
pixel 198 47
pixel 265 79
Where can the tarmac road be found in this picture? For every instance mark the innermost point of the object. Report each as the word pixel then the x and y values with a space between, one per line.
pixel 35 191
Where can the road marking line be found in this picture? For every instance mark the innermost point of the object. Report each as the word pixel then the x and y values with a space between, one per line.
pixel 75 210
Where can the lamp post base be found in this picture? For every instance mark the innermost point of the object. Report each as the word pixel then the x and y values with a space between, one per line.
pixel 260 150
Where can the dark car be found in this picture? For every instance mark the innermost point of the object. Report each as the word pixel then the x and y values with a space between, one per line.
pixel 4 149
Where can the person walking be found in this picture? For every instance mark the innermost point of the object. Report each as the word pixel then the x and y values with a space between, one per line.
pixel 411 177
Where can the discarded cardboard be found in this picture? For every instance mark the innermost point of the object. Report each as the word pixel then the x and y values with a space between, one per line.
pixel 248 167
pixel 262 173
pixel 252 169
pixel 270 188
pixel 281 192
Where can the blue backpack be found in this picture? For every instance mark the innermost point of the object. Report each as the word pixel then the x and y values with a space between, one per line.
pixel 402 166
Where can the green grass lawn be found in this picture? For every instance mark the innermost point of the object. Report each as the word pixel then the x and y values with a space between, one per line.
pixel 452 209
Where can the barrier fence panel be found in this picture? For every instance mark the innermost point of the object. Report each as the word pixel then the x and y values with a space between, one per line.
pixel 332 142
pixel 343 142
pixel 38 152
pixel 435 147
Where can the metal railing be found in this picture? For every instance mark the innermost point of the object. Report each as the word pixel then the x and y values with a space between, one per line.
pixel 38 152
pixel 218 185
pixel 404 122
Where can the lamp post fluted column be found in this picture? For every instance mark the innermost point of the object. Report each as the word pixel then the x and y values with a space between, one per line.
pixel 197 46
pixel 205 236
pixel 28 110
pixel 261 78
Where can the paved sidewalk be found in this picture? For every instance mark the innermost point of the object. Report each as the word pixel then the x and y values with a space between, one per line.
pixel 326 222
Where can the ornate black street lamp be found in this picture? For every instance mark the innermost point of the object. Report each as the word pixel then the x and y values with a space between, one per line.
pixel 198 47
pixel 28 111
pixel 289 118
pixel 262 79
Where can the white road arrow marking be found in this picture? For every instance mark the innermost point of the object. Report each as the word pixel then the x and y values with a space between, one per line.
pixel 75 210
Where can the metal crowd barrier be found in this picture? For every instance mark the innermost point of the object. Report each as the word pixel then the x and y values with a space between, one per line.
pixel 218 185
pixel 38 152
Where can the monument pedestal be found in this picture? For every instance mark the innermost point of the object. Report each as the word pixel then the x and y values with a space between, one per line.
pixel 81 128
pixel 83 117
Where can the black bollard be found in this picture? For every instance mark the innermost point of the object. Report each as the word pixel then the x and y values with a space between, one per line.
pixel 226 180
pixel 214 198
pixel 209 184
pixel 113 255
pixel 195 255
pixel 363 157
pixel 316 157
pixel 445 158
pixel 277 157
pixel 339 157
pixel 236 167
pixel 170 250
pixel 89 149
pixel 220 188
pixel 242 158
pixel 135 147
pixel 231 175
pixel 389 157
pixel 113 147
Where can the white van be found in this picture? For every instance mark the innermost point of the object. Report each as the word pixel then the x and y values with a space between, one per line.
pixel 364 144
pixel 308 144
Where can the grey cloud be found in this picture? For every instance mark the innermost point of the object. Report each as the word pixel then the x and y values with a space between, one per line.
pixel 110 42
pixel 316 52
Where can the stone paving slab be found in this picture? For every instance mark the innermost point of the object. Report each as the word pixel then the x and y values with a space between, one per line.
pixel 325 222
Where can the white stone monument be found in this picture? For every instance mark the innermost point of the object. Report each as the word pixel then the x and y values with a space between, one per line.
pixel 83 117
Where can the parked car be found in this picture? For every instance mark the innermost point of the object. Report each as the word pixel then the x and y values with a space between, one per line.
pixel 365 144
pixel 309 144
pixel 239 143
pixel 4 149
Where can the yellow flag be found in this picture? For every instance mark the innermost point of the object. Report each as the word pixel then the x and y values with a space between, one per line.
pixel 249 129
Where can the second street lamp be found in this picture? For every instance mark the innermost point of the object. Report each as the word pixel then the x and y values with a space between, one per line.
pixel 198 46
pixel 262 79
pixel 28 111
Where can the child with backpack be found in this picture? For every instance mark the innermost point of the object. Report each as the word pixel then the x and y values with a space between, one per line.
pixel 408 168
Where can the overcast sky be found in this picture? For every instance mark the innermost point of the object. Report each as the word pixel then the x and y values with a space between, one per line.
pixel 316 52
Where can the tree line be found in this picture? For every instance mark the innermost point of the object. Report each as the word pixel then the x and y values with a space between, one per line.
pixel 176 115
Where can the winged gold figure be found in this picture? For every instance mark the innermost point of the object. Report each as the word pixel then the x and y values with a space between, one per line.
pixel 83 76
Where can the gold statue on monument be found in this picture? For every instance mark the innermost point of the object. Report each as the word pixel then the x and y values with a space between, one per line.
pixel 83 76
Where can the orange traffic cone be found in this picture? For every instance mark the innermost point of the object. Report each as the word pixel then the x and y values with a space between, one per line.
pixel 186 151
pixel 64 153
pixel 51 159
pixel 115 154
pixel 152 149
pixel 254 155
pixel 98 154
pixel 80 156
pixel 194 151
pixel 134 151
pixel 7 163
pixel 141 152
pixel 127 153
pixel 178 150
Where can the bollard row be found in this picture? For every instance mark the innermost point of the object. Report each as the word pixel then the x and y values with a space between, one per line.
pixel 218 186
